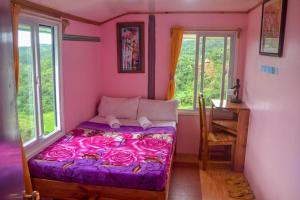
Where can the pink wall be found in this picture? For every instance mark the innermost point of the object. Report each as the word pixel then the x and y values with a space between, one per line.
pixel 272 158
pixel 115 84
pixel 136 84
pixel 81 75
pixel 188 135
pixel 112 83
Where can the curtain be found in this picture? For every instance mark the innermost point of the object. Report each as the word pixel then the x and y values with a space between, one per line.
pixel 176 41
pixel 15 11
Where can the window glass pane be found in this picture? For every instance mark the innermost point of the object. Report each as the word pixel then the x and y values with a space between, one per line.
pixel 47 70
pixel 25 98
pixel 213 68
pixel 227 67
pixel 185 72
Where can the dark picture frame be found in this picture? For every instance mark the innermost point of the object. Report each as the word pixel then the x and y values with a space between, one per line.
pixel 272 27
pixel 130 47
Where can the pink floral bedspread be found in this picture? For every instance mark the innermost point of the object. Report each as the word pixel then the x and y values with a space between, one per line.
pixel 96 154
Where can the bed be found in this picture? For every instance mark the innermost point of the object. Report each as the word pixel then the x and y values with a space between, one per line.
pixel 94 161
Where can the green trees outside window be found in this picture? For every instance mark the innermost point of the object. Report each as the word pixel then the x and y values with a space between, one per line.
pixel 214 51
pixel 37 96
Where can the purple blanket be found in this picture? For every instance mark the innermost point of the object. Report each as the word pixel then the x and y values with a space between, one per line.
pixel 95 154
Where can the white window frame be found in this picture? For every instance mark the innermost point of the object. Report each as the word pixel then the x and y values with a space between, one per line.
pixel 232 63
pixel 41 141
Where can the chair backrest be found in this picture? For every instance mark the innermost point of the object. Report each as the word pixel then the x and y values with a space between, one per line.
pixel 203 122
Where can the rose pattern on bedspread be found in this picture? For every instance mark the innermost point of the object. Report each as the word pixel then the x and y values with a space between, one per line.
pixel 108 157
pixel 112 148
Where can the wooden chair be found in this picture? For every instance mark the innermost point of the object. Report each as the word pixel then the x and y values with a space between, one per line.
pixel 212 138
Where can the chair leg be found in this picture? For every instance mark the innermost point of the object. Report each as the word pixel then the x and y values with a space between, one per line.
pixel 200 152
pixel 204 159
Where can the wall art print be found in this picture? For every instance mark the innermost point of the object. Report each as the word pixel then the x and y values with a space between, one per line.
pixel 130 46
pixel 272 27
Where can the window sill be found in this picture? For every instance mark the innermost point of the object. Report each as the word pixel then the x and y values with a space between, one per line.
pixel 37 146
pixel 191 112
pixel 188 113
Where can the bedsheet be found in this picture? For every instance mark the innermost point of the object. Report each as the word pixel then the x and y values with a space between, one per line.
pixel 93 153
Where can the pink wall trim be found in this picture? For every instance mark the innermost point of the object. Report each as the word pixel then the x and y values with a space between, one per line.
pixel 81 75
pixel 272 158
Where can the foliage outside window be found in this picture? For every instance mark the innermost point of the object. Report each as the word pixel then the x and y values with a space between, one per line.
pixel 38 98
pixel 205 65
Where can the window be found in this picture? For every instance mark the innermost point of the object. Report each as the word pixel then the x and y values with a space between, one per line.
pixel 205 65
pixel 38 100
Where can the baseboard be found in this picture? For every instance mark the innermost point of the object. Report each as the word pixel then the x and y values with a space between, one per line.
pixel 190 159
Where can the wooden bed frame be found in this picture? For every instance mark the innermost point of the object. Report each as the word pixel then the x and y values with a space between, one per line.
pixel 67 191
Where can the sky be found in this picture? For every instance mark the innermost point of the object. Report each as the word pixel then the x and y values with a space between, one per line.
pixel 25 39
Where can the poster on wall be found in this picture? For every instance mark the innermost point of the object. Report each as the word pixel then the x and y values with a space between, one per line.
pixel 272 27
pixel 130 47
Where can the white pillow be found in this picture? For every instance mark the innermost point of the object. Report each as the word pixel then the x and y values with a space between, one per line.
pixel 122 108
pixel 158 109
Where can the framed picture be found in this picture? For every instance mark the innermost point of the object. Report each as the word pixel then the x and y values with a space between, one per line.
pixel 130 39
pixel 272 27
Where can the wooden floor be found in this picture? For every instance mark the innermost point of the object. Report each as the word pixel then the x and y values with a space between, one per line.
pixel 189 182
pixel 185 182
pixel 213 185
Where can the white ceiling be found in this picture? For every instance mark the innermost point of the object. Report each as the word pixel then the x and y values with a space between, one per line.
pixel 101 10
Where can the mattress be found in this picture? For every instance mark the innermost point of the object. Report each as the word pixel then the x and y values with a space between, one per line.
pixel 95 154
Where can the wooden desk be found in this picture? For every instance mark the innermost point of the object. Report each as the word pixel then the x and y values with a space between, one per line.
pixel 228 105
pixel 238 127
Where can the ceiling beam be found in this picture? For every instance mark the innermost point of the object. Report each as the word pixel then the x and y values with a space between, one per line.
pixel 112 18
pixel 255 6
pixel 173 12
pixel 25 4
pixel 52 12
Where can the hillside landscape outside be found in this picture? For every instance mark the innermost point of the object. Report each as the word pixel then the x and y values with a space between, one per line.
pixel 26 98
pixel 213 70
